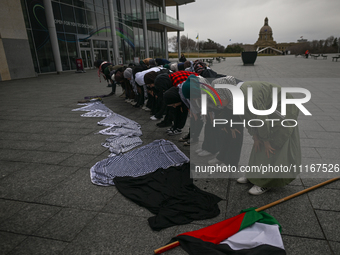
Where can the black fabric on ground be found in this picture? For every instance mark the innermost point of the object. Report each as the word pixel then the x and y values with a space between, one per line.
pixel 171 195
pixel 195 246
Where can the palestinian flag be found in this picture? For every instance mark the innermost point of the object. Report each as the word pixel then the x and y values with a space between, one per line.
pixel 250 232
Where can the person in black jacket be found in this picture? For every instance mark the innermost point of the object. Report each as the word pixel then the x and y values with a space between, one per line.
pixel 182 58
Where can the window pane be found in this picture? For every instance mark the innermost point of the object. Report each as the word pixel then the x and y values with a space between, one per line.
pixel 63 52
pixel 81 21
pixel 66 1
pixel 34 56
pixel 72 50
pixel 68 17
pixel 37 15
pixel 58 19
pixel 44 51
pixel 91 21
pixel 101 25
pixel 79 3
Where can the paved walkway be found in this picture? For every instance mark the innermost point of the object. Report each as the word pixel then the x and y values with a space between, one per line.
pixel 48 204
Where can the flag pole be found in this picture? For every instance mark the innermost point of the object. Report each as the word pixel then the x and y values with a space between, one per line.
pixel 176 243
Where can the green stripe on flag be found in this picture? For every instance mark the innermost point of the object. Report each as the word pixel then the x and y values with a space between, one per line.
pixel 253 216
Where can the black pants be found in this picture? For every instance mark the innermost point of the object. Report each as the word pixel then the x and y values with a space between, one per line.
pixel 229 147
pixel 179 115
pixel 195 127
pixel 211 138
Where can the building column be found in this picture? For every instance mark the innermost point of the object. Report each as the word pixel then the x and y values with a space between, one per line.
pixel 145 29
pixel 113 33
pixel 178 34
pixel 53 35
pixel 165 35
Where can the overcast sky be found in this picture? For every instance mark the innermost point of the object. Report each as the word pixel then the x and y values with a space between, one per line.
pixel 241 20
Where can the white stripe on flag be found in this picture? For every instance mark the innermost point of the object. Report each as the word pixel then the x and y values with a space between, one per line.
pixel 255 235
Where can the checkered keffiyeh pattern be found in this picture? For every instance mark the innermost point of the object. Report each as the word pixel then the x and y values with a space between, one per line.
pixel 225 93
pixel 138 162
pixel 118 145
pixel 180 77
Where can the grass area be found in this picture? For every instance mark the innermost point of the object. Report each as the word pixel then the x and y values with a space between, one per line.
pixel 210 55
pixel 204 55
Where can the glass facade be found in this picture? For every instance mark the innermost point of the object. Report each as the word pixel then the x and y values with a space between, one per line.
pixel 83 31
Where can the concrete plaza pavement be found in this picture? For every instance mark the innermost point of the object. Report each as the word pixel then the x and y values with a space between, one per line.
pixel 48 204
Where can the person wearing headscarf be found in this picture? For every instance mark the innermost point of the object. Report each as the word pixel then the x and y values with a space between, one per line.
pixel 274 144
pixel 174 67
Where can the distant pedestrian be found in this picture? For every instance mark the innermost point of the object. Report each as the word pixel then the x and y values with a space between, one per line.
pixel 306 53
pixel 182 58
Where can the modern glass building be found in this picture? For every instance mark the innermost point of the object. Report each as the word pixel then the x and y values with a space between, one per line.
pixel 119 31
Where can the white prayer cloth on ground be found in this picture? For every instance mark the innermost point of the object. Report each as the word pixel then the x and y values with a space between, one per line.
pixel 129 130
pixel 93 107
pixel 118 145
pixel 97 113
pixel 138 162
pixel 117 120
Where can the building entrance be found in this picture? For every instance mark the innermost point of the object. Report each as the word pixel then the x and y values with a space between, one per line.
pixel 86 57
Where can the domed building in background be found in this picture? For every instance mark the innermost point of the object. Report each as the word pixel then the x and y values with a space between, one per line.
pixel 266 39
pixel 265 44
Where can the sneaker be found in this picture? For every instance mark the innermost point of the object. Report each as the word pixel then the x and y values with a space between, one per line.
pixel 214 161
pixel 256 190
pixel 169 130
pixel 175 132
pixel 187 143
pixel 153 118
pixel 204 153
pixel 133 102
pixel 242 180
pixel 198 150
pixel 184 138
pixel 128 100
pixel 147 109
pixel 123 94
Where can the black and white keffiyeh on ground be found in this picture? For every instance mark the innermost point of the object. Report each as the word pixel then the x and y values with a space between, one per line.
pixel 138 162
pixel 125 133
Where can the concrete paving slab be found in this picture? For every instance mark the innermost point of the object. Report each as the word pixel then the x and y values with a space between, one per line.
pixel 32 181
pixel 325 199
pixel 65 225
pixel 117 234
pixel 78 192
pixel 8 241
pixel 329 221
pixel 303 246
pixel 29 219
pixel 9 167
pixel 35 245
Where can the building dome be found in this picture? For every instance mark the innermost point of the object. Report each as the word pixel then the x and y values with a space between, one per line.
pixel 266 28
